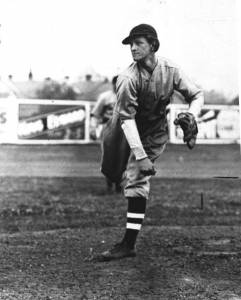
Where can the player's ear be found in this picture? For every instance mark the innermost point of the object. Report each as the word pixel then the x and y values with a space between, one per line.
pixel 155 45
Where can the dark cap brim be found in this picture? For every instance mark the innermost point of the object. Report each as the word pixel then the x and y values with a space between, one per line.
pixel 127 40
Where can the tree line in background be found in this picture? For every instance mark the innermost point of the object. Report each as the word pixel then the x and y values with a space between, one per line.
pixel 215 97
pixel 55 90
pixel 89 89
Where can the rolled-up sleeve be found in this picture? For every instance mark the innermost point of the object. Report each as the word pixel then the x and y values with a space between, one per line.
pixel 126 105
pixel 186 87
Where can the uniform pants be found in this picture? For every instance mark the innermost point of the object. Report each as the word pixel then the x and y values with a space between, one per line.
pixel 137 184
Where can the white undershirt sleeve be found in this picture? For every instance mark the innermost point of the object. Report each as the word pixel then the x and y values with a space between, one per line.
pixel 132 135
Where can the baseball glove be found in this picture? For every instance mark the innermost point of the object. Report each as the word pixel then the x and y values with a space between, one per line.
pixel 188 124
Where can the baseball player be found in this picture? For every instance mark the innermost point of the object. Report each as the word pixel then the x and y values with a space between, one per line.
pixel 100 115
pixel 139 127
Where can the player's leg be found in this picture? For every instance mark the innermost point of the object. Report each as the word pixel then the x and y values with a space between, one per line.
pixel 136 192
pixel 108 182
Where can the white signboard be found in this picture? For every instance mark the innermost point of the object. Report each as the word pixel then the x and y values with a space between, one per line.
pixel 25 121
pixel 8 120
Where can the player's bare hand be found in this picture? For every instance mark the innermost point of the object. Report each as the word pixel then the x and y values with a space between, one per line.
pixel 146 167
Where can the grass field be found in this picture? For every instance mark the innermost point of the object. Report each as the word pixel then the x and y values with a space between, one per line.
pixel 55 215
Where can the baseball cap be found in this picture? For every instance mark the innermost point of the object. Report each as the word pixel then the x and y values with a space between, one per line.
pixel 140 30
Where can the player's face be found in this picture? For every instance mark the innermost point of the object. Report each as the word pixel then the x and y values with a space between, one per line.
pixel 140 48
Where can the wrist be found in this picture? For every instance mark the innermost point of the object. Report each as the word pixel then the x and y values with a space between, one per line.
pixel 139 153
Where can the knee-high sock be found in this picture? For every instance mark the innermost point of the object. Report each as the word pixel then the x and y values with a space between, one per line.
pixel 135 215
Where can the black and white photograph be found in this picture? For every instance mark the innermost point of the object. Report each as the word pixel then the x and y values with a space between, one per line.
pixel 120 150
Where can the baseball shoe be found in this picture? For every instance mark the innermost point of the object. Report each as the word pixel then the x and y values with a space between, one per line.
pixel 120 250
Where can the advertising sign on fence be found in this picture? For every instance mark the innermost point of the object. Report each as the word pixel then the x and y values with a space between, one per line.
pixel 48 121
pixel 26 121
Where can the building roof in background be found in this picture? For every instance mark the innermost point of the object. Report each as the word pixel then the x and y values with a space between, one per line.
pixel 7 90
pixel 85 90
pixel 235 101
pixel 28 89
pixel 90 90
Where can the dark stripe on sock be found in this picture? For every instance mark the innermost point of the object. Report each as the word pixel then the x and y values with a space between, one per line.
pixel 134 220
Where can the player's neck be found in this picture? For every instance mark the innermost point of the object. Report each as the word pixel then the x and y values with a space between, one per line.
pixel 149 63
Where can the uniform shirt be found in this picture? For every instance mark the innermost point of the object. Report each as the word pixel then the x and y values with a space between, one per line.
pixel 103 110
pixel 144 97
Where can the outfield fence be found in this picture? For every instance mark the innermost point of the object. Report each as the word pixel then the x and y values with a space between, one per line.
pixel 25 121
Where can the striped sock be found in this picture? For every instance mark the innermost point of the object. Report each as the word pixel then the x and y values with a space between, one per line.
pixel 135 216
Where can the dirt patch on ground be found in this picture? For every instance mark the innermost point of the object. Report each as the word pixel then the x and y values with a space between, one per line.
pixel 50 227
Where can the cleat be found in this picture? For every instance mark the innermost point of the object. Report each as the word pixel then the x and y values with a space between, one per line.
pixel 120 250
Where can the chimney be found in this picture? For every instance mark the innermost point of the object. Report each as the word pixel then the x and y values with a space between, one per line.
pixel 30 75
pixel 88 77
